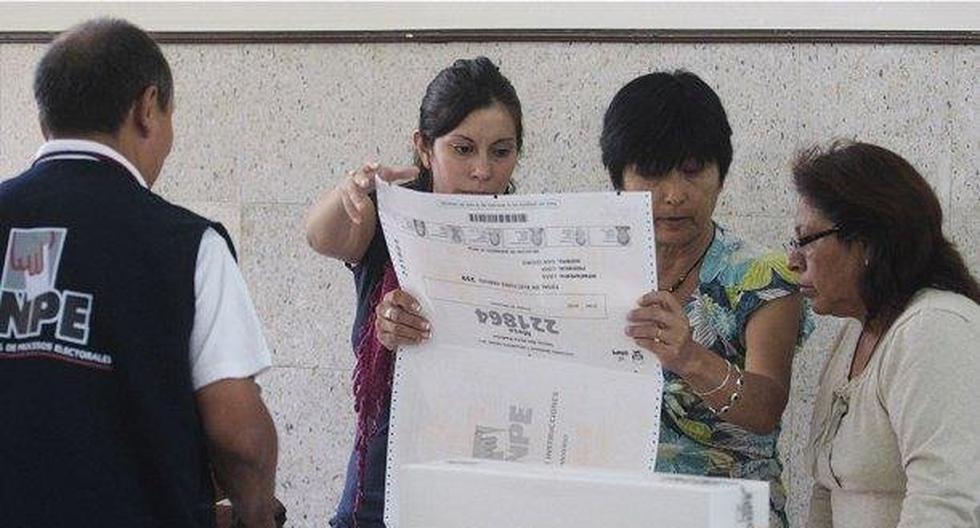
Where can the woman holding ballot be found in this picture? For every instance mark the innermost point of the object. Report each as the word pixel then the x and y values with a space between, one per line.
pixel 726 316
pixel 468 139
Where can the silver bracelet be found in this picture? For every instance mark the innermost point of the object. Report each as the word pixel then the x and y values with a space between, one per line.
pixel 733 397
pixel 728 376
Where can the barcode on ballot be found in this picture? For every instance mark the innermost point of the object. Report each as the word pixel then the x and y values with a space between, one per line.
pixel 499 218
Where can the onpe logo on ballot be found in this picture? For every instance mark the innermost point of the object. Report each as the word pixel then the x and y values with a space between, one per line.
pixel 28 297
pixel 504 443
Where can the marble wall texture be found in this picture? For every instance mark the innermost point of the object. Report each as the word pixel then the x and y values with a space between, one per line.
pixel 263 129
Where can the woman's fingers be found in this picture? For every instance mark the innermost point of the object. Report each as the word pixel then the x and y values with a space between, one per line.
pixel 404 300
pixel 659 325
pixel 399 320
pixel 354 195
pixel 398 173
pixel 670 303
pixel 393 335
pixel 653 312
pixel 664 299
pixel 657 348
pixel 646 331
pixel 655 317
pixel 352 210
pixel 363 177
pixel 359 184
pixel 401 317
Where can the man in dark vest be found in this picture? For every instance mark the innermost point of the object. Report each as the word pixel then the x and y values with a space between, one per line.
pixel 128 341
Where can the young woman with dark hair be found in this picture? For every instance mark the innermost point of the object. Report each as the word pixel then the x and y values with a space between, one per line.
pixel 468 139
pixel 895 438
pixel 727 315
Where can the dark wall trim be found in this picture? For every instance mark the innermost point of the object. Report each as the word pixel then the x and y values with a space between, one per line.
pixel 737 36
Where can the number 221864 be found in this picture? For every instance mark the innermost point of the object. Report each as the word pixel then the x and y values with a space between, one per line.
pixel 495 318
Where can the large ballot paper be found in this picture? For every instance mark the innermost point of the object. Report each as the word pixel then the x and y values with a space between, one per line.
pixel 528 360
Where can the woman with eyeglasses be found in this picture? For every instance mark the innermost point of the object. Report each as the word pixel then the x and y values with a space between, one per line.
pixel 727 316
pixel 895 436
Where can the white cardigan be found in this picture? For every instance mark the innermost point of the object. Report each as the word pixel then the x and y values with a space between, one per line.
pixel 899 445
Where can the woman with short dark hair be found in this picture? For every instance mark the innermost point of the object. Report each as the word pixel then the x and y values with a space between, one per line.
pixel 727 317
pixel 895 438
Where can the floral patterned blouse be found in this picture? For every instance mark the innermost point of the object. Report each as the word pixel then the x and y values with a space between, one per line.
pixel 736 279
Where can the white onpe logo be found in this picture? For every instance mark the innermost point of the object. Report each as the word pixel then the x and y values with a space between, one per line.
pixel 31 263
pixel 29 299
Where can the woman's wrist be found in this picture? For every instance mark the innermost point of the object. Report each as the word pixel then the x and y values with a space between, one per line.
pixel 704 370
pixel 729 369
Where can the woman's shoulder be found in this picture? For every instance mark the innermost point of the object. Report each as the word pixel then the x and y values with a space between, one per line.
pixel 937 335
pixel 939 316
pixel 741 264
pixel 932 303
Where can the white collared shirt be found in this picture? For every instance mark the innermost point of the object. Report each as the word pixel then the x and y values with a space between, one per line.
pixel 226 339
pixel 75 149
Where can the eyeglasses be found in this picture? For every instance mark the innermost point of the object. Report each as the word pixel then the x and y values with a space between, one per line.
pixel 796 244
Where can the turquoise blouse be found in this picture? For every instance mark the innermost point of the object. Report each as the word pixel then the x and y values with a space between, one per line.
pixel 736 279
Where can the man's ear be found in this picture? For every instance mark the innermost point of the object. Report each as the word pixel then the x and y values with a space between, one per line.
pixel 45 131
pixel 146 110
pixel 423 150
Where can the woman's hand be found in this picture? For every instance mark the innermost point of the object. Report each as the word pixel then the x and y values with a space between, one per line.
pixel 355 188
pixel 342 222
pixel 659 325
pixel 359 183
pixel 398 320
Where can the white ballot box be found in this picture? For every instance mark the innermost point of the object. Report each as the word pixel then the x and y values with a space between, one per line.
pixel 472 493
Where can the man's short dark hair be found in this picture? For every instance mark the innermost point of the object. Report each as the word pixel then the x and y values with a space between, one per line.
pixel 92 74
pixel 659 121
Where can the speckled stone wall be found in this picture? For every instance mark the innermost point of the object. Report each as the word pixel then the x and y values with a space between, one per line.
pixel 262 129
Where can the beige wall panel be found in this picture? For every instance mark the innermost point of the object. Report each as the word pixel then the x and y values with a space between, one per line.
pixel 209 132
pixel 305 300
pixel 306 110
pixel 894 96
pixel 312 409
pixel 20 134
pixel 963 208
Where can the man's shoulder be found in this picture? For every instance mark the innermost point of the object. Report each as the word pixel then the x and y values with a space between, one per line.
pixel 81 188
pixel 171 217
pixel 8 188
pixel 15 185
pixel 178 213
